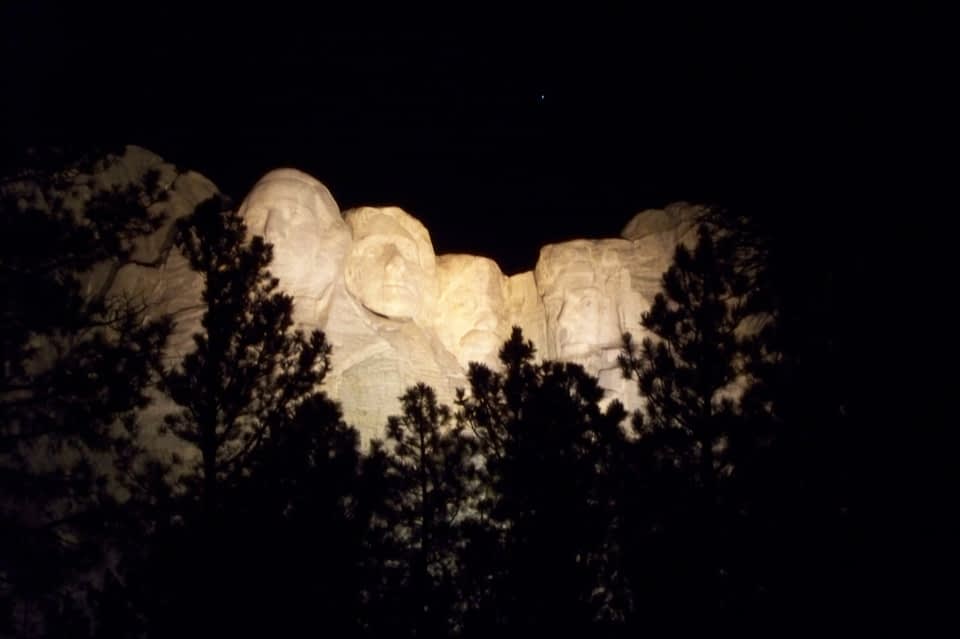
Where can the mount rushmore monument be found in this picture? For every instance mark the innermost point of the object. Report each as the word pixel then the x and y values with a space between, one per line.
pixel 395 312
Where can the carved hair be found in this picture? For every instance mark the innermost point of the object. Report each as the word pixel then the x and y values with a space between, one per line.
pixel 600 260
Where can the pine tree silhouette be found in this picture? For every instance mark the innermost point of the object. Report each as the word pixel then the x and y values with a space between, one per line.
pixel 298 526
pixel 547 500
pixel 699 351
pixel 76 367
pixel 245 392
pixel 681 509
pixel 428 474
pixel 249 371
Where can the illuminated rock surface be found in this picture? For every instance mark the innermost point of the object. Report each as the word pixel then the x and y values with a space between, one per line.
pixel 394 312
pixel 160 277
pixel 297 215
pixel 473 320
pixel 655 234
pixel 381 320
pixel 525 309
pixel 156 277
pixel 591 292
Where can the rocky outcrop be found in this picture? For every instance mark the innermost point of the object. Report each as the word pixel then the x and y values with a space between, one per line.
pixel 394 312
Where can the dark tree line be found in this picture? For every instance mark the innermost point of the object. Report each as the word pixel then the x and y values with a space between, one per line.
pixel 76 368
pixel 528 507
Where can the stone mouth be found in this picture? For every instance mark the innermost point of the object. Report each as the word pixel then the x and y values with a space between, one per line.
pixel 399 287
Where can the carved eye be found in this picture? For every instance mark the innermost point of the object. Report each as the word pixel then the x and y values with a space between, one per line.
pixel 368 250
pixel 407 250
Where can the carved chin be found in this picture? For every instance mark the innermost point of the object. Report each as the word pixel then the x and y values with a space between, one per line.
pixel 481 346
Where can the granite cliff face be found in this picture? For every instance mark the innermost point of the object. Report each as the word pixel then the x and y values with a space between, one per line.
pixel 396 313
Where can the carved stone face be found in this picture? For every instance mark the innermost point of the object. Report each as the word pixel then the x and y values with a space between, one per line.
pixel 298 216
pixel 471 313
pixel 587 321
pixel 580 285
pixel 391 268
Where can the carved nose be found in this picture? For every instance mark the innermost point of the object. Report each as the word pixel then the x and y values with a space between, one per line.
pixel 275 227
pixel 395 264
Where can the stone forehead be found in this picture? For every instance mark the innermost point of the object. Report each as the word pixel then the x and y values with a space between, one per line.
pixel 459 271
pixel 294 189
pixel 474 265
pixel 296 185
pixel 673 218
pixel 582 259
pixel 369 221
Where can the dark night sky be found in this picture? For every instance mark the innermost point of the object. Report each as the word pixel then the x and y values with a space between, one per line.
pixel 772 112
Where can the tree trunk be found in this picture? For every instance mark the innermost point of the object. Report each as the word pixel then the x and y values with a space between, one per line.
pixel 208 451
